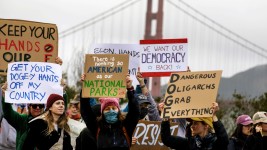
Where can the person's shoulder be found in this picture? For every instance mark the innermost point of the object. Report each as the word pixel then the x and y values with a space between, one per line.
pixel 37 121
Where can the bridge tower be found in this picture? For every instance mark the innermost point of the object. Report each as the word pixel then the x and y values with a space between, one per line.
pixel 157 18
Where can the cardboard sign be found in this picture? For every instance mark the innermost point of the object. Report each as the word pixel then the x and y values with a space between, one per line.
pixel 148 135
pixel 105 75
pixel 190 94
pixel 32 82
pixel 27 41
pixel 161 57
pixel 131 49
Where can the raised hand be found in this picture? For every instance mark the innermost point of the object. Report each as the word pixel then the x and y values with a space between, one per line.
pixel 215 108
pixel 4 88
pixel 58 60
pixel 128 81
pixel 140 78
pixel 83 77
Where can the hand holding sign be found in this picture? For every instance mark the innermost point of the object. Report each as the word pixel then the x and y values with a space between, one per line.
pixel 58 60
pixel 161 106
pixel 140 78
pixel 4 88
pixel 142 84
pixel 215 108
pixel 129 81
pixel 83 77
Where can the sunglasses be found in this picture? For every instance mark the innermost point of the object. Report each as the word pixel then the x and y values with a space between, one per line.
pixel 34 106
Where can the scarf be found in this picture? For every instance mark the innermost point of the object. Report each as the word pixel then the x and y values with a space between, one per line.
pixel 205 143
pixel 76 117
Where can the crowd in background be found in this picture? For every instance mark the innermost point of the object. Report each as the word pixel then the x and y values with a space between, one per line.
pixel 89 123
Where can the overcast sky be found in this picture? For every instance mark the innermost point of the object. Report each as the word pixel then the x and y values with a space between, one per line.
pixel 245 17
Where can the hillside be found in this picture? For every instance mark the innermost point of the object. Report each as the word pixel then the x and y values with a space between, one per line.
pixel 250 83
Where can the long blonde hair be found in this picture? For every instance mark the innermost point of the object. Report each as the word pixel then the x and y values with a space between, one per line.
pixel 62 122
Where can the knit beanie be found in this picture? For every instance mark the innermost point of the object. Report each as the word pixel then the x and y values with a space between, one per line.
pixel 109 102
pixel 51 99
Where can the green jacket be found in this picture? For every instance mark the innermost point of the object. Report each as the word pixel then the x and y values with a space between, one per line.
pixel 18 121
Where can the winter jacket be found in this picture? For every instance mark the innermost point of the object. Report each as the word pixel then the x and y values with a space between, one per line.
pixel 37 137
pixel 219 139
pixel 256 142
pixel 111 136
pixel 17 121
pixel 237 143
pixel 85 140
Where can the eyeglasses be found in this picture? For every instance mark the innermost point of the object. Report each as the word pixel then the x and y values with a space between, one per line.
pixel 34 106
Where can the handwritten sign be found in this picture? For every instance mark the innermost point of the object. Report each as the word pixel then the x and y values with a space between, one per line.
pixel 190 94
pixel 105 75
pixel 148 135
pixel 131 49
pixel 32 82
pixel 161 57
pixel 27 41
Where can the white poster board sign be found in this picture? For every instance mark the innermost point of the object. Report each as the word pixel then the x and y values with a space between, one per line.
pixel 161 57
pixel 32 82
pixel 131 49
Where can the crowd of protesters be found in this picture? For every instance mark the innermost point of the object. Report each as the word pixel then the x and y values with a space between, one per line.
pixel 88 123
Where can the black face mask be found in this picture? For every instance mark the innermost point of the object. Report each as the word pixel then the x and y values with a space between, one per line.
pixel 143 112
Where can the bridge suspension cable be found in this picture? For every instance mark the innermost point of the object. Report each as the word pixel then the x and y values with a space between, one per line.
pixel 222 27
pixel 112 11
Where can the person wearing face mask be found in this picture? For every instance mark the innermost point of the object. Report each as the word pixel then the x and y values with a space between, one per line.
pixel 241 133
pixel 112 129
pixel 143 106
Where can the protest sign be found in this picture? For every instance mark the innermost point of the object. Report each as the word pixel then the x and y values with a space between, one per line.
pixel 148 135
pixel 105 75
pixel 32 82
pixel 161 57
pixel 27 41
pixel 190 94
pixel 131 49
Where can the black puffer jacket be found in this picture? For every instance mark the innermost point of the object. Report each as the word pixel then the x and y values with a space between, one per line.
pixel 111 136
pixel 217 141
pixel 237 143
pixel 37 137
pixel 256 142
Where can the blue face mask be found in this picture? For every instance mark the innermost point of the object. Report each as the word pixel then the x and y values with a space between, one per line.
pixel 111 116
